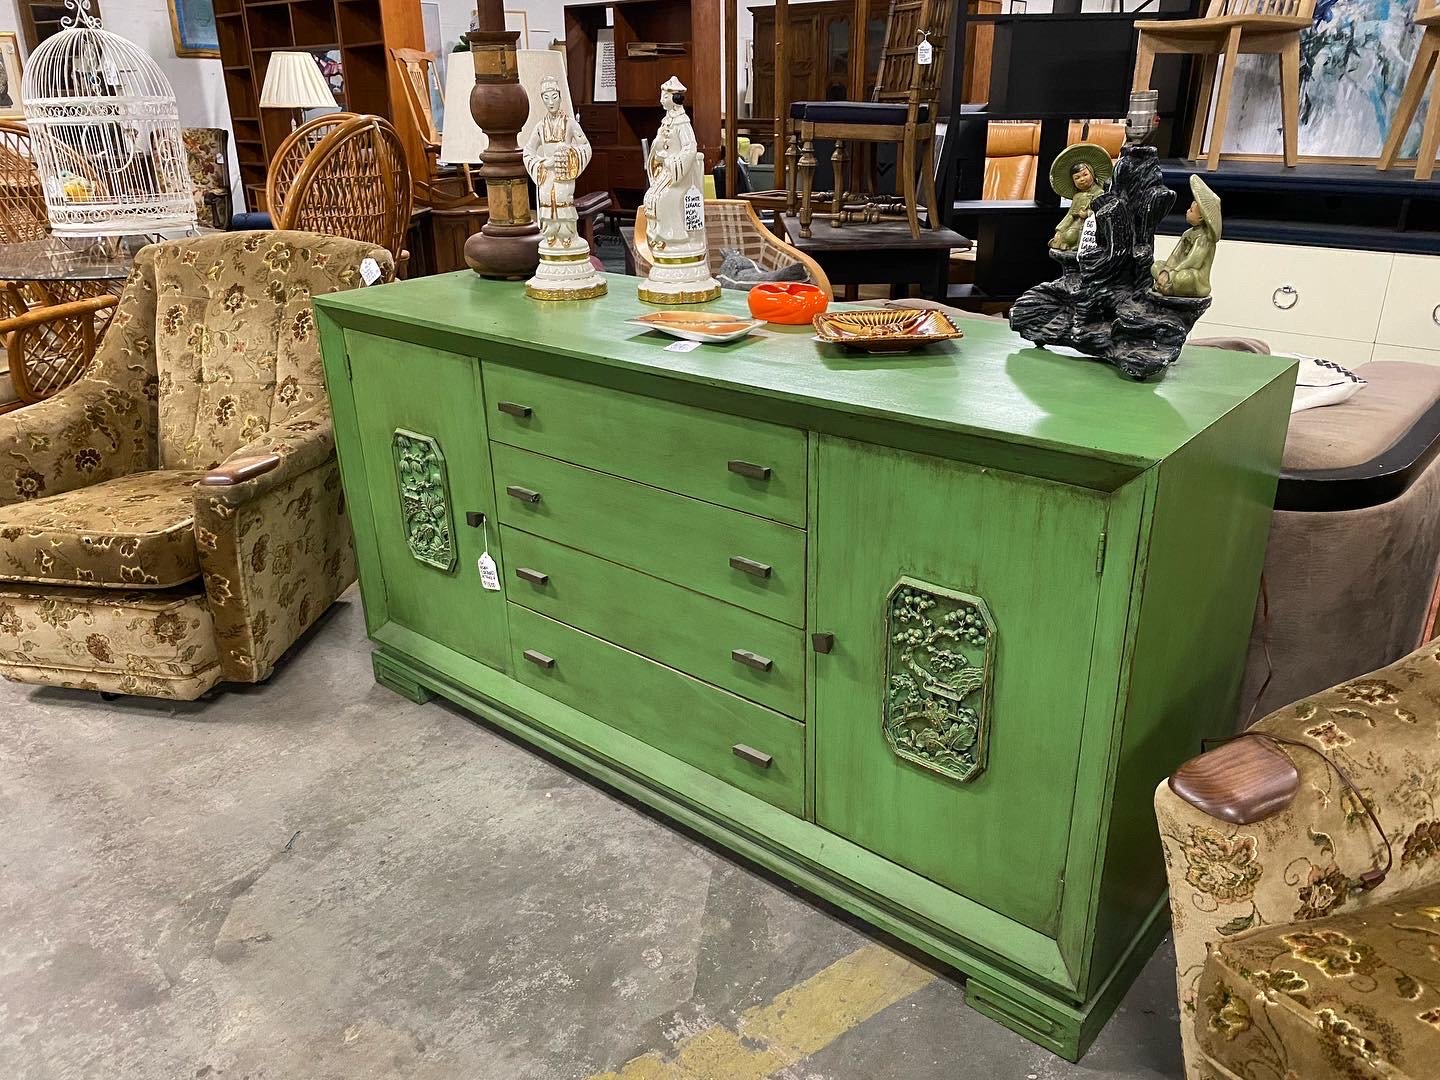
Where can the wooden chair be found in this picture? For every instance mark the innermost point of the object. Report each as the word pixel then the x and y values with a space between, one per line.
pixel 731 224
pixel 354 183
pixel 903 111
pixel 291 154
pixel 1230 29
pixel 1425 69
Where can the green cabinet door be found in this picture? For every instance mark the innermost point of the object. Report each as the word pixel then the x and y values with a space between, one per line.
pixel 948 711
pixel 427 466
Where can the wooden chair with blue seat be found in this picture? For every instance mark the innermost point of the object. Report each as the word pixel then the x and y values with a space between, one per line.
pixel 903 111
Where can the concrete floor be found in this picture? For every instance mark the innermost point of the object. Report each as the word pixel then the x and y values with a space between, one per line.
pixel 317 880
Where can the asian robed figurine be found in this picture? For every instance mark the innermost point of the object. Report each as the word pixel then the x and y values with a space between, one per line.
pixel 555 154
pixel 1106 303
pixel 675 209
pixel 1080 173
pixel 1187 271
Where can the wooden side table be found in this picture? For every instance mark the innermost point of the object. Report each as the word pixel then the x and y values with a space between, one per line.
pixel 883 254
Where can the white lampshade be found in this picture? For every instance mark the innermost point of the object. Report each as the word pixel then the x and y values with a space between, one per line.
pixel 461 141
pixel 293 81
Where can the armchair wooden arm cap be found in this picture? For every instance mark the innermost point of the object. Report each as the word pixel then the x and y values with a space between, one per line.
pixel 238 470
pixel 1241 782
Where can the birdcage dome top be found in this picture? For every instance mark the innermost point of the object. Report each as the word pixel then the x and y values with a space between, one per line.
pixel 105 132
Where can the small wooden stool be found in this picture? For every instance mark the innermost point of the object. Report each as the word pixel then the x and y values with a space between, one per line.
pixel 1423 70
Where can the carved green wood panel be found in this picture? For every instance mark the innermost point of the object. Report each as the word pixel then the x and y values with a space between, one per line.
pixel 425 499
pixel 941 652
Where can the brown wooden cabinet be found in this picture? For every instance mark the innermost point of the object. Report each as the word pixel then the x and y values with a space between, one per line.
pixel 40 19
pixel 616 128
pixel 819 39
pixel 358 32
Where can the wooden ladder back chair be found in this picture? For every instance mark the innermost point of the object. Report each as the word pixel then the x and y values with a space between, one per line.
pixel 355 183
pixel 22 200
pixel 443 187
pixel 291 154
pixel 1424 70
pixel 902 110
pixel 1228 30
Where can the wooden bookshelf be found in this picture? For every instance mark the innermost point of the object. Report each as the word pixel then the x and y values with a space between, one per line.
pixel 616 128
pixel 360 31
pixel 40 19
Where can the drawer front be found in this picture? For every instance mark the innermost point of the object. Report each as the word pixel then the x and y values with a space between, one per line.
pixel 1412 305
pixel 681 716
pixel 1400 352
pixel 655 442
pixel 1338 350
pixel 1333 293
pixel 680 540
pixel 747 654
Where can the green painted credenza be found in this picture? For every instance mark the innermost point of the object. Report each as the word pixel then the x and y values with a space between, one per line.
pixel 920 633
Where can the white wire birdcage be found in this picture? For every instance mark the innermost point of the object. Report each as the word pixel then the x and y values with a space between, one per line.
pixel 105 132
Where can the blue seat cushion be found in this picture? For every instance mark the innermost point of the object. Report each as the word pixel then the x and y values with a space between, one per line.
pixel 854 112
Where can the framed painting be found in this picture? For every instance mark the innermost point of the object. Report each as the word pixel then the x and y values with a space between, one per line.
pixel 10 76
pixel 1354 60
pixel 192 24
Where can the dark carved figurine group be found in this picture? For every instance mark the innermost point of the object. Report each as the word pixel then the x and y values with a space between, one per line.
pixel 1113 301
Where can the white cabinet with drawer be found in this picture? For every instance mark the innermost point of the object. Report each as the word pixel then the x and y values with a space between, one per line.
pixel 1345 306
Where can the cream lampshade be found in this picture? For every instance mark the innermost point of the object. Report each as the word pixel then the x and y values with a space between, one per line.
pixel 293 81
pixel 461 142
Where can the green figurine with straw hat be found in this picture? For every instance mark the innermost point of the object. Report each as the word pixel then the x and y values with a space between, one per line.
pixel 1187 271
pixel 1079 173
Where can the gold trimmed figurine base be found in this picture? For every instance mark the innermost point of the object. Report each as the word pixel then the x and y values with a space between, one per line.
pixel 589 293
pixel 670 299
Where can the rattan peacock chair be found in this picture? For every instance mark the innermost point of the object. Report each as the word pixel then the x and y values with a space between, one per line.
pixel 291 154
pixel 356 183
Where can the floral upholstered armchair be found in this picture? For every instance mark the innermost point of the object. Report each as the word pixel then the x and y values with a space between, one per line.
pixel 174 519
pixel 1298 957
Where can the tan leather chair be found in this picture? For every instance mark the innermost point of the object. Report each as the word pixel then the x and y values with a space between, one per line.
pixel 1012 155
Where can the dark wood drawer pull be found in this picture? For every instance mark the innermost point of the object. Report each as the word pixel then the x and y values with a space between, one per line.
pixel 539 659
pixel 747 468
pixel 750 659
pixel 535 577
pixel 823 643
pixel 524 494
pixel 750 754
pixel 750 566
pixel 474 518
pixel 515 409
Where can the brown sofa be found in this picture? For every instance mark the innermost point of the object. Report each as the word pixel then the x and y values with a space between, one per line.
pixel 175 518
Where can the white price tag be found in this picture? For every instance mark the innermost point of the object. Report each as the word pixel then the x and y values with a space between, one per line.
pixel 369 271
pixel 924 54
pixel 489 575
pixel 694 211
pixel 682 346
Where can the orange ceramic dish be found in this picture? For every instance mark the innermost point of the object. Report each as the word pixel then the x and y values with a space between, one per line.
pixel 790 303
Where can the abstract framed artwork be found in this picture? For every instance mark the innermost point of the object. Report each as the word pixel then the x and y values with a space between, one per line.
pixel 192 25
pixel 1353 63
pixel 10 69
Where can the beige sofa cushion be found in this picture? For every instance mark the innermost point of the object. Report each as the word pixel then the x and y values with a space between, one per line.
pixel 1364 427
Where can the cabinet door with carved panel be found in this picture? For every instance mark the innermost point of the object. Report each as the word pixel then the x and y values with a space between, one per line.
pixel 427 468
pixel 948 711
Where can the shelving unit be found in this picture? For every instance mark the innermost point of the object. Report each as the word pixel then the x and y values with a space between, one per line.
pixel 616 128
pixel 361 31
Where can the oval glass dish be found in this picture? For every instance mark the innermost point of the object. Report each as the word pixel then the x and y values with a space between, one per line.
pixel 885 330
pixel 707 326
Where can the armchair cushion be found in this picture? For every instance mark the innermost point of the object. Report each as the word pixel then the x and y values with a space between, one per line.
pixel 1351 995
pixel 133 532
pixel 855 112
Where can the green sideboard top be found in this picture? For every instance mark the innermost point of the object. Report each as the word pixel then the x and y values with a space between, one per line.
pixel 991 385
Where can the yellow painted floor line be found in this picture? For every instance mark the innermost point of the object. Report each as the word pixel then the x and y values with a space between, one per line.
pixel 804 1019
